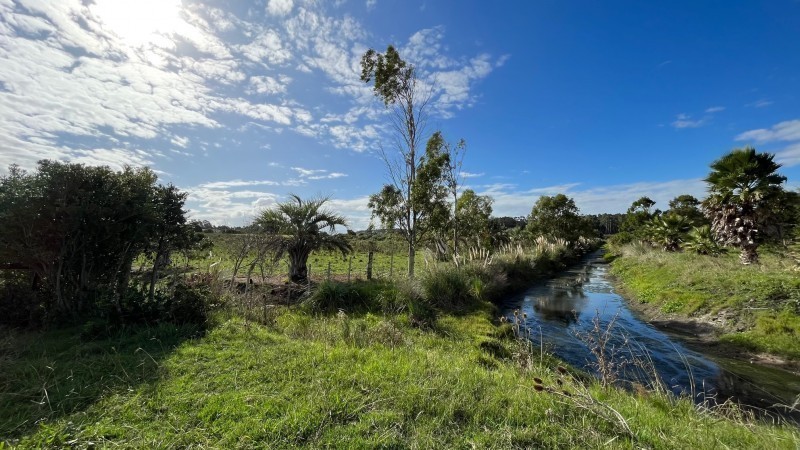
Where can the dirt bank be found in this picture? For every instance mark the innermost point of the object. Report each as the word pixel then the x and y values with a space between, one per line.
pixel 702 333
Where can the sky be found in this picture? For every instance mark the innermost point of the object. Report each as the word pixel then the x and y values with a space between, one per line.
pixel 242 103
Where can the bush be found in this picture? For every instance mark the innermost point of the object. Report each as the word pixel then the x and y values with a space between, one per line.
pixel 449 289
pixel 185 305
pixel 421 312
pixel 20 306
pixel 189 305
pixel 331 296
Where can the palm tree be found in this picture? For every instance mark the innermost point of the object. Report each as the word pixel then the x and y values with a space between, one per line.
pixel 742 186
pixel 669 231
pixel 298 228
pixel 700 240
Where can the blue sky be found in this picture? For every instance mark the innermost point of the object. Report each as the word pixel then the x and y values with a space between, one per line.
pixel 240 103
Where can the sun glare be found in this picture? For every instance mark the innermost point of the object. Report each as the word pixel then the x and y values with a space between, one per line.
pixel 139 22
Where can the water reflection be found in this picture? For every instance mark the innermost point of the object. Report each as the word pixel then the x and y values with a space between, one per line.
pixel 563 309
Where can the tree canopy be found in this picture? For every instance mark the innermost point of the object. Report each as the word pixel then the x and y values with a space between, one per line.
pixel 299 227
pixel 76 230
pixel 743 188
pixel 557 217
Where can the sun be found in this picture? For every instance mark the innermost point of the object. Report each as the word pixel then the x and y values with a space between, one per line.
pixel 139 22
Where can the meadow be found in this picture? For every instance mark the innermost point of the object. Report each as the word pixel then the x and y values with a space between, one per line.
pixel 365 364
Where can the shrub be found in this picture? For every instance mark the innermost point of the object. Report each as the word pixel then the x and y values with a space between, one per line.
pixel 331 296
pixel 20 306
pixel 448 289
pixel 421 312
pixel 189 305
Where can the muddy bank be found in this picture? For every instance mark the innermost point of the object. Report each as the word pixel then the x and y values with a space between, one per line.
pixel 703 333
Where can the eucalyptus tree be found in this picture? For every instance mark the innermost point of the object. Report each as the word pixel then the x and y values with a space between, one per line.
pixel 426 209
pixel 298 227
pixel 639 214
pixel 474 212
pixel 399 203
pixel 743 189
pixel 453 180
pixel 557 217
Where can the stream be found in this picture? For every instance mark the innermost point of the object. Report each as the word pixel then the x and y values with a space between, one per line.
pixel 564 314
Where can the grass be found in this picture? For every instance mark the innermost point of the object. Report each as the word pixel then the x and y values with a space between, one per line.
pixel 390 260
pixel 760 302
pixel 366 381
pixel 364 375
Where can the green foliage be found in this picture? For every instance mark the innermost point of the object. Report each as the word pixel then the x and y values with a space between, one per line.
pixel 557 217
pixel 473 213
pixel 700 240
pixel 76 230
pixel 668 231
pixel 297 228
pixel 759 299
pixel 639 214
pixel 448 289
pixel 689 207
pixel 744 188
pixel 359 296
pixel 393 76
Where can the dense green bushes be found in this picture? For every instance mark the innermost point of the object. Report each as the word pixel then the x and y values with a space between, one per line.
pixel 69 235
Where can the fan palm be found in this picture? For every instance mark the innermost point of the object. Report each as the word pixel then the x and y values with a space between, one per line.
pixel 700 240
pixel 742 186
pixel 668 231
pixel 299 227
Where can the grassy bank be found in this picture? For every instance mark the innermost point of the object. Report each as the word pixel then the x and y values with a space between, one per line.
pixel 371 376
pixel 756 307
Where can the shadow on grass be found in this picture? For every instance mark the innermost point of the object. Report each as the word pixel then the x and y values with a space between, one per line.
pixel 51 374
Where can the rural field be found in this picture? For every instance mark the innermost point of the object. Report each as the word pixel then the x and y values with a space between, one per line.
pixel 399 225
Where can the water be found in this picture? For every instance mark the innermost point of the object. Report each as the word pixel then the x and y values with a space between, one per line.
pixel 562 313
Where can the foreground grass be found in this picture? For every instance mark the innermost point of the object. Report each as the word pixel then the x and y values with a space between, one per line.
pixel 760 303
pixel 313 381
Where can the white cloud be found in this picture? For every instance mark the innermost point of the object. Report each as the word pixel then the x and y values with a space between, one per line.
pixel 238 183
pixel 317 174
pixel 266 48
pixel 715 109
pixel 760 103
pixel 280 7
pixel 784 131
pixel 223 206
pixel 787 131
pixel 509 200
pixel 686 121
pixel 471 175
pixel 269 85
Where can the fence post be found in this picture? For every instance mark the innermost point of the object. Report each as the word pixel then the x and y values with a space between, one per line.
pixel 369 265
pixel 329 271
pixel 391 264
pixel 349 267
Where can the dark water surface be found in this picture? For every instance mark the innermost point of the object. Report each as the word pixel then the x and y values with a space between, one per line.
pixel 562 313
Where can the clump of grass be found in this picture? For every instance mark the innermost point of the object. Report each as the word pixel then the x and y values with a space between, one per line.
pixel 449 289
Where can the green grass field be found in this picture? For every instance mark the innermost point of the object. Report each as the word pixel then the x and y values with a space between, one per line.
pixel 761 301
pixel 369 374
pixel 362 381
pixel 390 260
